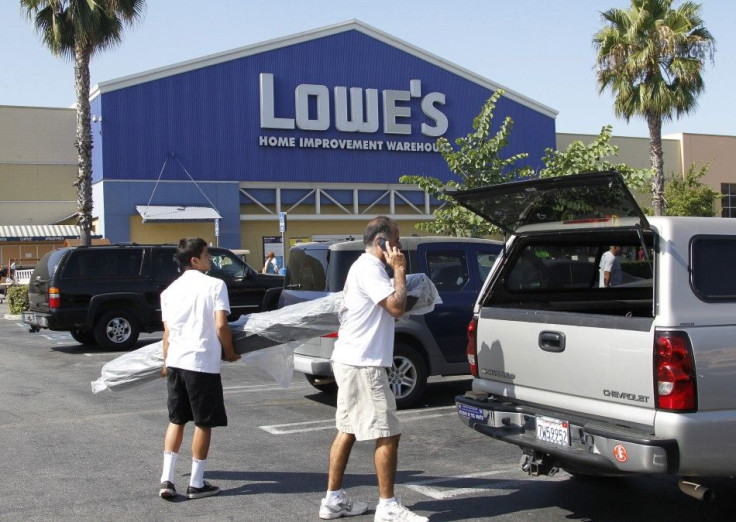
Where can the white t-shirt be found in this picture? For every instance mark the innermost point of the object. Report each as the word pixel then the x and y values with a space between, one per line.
pixel 366 335
pixel 610 263
pixel 188 307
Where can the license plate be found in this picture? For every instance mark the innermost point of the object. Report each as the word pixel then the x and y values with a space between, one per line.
pixel 29 318
pixel 554 431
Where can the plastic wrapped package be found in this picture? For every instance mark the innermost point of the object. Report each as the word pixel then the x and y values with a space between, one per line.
pixel 266 339
pixel 131 368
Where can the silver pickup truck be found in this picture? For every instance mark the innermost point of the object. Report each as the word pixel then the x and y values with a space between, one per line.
pixel 634 378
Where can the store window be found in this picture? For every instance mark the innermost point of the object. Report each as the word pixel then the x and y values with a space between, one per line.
pixel 728 200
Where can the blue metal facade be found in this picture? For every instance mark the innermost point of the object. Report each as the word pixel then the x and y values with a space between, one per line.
pixel 209 119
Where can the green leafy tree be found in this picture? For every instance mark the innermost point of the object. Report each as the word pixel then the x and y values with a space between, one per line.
pixel 579 158
pixel 688 196
pixel 651 57
pixel 78 29
pixel 477 162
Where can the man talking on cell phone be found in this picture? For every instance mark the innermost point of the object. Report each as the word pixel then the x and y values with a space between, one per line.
pixel 366 406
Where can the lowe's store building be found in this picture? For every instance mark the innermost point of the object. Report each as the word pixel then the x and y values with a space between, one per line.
pixel 318 127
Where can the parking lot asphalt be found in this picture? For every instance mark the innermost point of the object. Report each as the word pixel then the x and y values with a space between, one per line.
pixel 73 455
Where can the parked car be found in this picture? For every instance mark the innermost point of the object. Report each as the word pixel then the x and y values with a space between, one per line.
pixel 633 379
pixel 107 295
pixel 424 346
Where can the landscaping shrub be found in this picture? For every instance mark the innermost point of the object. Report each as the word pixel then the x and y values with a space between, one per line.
pixel 17 298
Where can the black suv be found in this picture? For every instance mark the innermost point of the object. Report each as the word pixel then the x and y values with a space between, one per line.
pixel 107 295
pixel 433 344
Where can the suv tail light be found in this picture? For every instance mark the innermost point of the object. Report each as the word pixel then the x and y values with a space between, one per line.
pixel 54 297
pixel 332 335
pixel 674 372
pixel 472 350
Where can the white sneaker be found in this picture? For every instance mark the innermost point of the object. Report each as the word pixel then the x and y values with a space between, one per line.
pixel 396 512
pixel 347 507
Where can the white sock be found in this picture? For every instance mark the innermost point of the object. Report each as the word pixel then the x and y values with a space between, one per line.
pixel 197 479
pixel 169 465
pixel 386 501
pixel 333 497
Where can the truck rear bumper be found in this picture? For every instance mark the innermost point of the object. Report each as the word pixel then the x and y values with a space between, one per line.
pixel 590 445
pixel 37 320
pixel 312 365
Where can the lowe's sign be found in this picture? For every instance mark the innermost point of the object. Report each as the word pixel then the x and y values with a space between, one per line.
pixel 354 110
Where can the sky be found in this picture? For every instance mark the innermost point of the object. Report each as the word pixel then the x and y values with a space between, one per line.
pixel 541 49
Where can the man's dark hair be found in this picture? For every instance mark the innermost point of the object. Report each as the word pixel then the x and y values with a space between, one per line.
pixel 189 247
pixel 378 226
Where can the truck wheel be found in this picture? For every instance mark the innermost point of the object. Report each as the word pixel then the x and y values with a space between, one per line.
pixel 408 375
pixel 116 330
pixel 323 384
pixel 83 336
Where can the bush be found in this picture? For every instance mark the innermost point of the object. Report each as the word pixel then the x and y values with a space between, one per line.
pixel 17 298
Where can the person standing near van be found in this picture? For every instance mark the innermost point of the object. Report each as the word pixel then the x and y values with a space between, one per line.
pixel 610 268
pixel 366 406
pixel 271 266
pixel 194 309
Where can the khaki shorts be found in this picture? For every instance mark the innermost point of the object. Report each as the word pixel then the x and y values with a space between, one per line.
pixel 366 406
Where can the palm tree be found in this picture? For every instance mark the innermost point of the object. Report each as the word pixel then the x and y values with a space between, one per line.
pixel 651 57
pixel 78 29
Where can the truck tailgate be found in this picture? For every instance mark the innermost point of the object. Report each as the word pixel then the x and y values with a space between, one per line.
pixel 605 362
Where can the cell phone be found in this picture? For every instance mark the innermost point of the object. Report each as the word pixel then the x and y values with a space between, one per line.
pixel 382 244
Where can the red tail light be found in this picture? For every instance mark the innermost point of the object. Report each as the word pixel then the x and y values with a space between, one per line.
pixel 54 298
pixel 674 372
pixel 332 335
pixel 472 350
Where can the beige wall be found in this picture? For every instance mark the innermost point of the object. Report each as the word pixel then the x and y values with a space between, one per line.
pixel 720 151
pixel 632 151
pixel 168 232
pixel 37 165
pixel 37 135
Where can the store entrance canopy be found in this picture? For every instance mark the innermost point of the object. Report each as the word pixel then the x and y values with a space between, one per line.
pixel 38 232
pixel 176 213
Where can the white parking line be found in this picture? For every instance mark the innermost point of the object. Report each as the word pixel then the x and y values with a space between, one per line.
pixel 329 424
pixel 496 487
pixel 260 387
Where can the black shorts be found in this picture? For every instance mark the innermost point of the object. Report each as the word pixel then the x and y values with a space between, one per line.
pixel 195 396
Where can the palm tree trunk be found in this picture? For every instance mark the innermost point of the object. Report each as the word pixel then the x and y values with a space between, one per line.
pixel 655 156
pixel 83 143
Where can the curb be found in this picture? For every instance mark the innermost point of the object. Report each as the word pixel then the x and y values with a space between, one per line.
pixel 13 317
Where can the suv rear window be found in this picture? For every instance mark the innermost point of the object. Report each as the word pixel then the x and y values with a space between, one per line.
pixel 712 271
pixel 125 262
pixel 46 268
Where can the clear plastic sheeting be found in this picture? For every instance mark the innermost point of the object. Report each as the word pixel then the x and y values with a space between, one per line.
pixel 130 368
pixel 266 339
